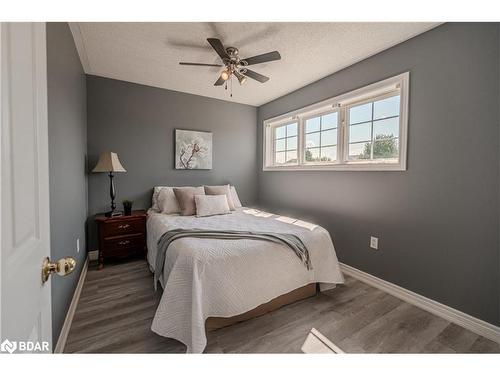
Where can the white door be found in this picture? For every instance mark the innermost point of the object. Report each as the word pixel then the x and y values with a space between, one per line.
pixel 25 233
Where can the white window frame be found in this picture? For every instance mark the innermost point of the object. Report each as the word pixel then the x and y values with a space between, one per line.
pixel 341 103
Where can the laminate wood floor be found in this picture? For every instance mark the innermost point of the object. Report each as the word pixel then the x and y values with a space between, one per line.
pixel 118 303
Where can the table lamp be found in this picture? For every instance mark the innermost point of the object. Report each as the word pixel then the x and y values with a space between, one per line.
pixel 109 162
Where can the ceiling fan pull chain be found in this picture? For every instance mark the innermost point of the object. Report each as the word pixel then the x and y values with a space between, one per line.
pixel 231 95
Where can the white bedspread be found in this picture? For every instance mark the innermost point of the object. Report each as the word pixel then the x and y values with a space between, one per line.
pixel 209 277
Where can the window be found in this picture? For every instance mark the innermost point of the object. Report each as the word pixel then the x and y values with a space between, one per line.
pixel 361 130
pixel 374 128
pixel 321 138
pixel 285 144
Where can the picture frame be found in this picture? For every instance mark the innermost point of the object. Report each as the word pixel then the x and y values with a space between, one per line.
pixel 193 149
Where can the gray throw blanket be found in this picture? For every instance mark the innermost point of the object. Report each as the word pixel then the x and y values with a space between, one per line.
pixel 290 240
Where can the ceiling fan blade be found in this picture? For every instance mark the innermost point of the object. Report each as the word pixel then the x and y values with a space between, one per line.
pixel 257 76
pixel 219 82
pixel 218 47
pixel 199 64
pixel 270 56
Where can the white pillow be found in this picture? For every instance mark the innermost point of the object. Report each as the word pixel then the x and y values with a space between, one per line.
pixel 208 205
pixel 167 202
pixel 234 196
pixel 154 199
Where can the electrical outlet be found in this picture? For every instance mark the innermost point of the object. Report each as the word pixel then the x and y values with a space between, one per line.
pixel 77 245
pixel 374 242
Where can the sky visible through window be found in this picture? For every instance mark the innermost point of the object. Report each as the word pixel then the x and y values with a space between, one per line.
pixel 373 134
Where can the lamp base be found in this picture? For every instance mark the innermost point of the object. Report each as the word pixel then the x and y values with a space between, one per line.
pixel 113 213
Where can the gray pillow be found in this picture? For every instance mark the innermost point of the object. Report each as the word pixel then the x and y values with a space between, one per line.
pixel 167 202
pixel 208 205
pixel 185 198
pixel 221 190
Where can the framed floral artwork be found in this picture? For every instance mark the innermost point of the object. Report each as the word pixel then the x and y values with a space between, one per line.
pixel 193 149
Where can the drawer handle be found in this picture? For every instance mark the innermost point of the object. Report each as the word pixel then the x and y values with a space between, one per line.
pixel 124 242
pixel 123 226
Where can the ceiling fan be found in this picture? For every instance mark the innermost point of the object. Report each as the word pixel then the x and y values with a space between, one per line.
pixel 234 65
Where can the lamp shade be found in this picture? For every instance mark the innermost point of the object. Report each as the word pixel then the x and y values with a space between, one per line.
pixel 108 162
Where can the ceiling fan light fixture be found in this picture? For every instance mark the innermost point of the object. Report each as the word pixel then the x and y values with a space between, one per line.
pixel 225 75
pixel 241 78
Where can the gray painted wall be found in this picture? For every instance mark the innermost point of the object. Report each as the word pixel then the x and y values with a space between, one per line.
pixel 138 123
pixel 67 117
pixel 437 222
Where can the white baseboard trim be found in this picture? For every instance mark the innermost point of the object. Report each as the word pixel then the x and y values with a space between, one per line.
pixel 460 318
pixel 63 336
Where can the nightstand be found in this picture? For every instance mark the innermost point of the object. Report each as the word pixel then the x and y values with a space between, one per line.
pixel 121 236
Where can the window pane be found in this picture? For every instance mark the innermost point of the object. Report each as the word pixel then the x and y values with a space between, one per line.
pixel 312 140
pixel 291 143
pixel 291 157
pixel 329 153
pixel 359 133
pixel 360 113
pixel 312 154
pixel 360 151
pixel 329 137
pixel 280 132
pixel 312 125
pixel 386 127
pixel 279 157
pixel 386 107
pixel 329 121
pixel 385 147
pixel 291 130
pixel 280 145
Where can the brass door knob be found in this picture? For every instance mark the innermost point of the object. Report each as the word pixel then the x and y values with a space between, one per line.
pixel 62 267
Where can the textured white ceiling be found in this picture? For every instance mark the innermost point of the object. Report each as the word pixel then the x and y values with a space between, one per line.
pixel 149 53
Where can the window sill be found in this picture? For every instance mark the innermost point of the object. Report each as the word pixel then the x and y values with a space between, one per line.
pixel 339 167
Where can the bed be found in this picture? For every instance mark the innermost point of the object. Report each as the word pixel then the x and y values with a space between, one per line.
pixel 210 283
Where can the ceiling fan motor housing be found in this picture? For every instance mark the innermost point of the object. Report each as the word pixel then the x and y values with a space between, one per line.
pixel 232 52
pixel 234 63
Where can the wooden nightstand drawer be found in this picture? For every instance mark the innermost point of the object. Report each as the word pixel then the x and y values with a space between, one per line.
pixel 118 228
pixel 114 245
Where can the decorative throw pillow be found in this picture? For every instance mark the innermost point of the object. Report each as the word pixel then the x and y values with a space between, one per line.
pixel 209 205
pixel 185 198
pixel 235 198
pixel 221 190
pixel 167 202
